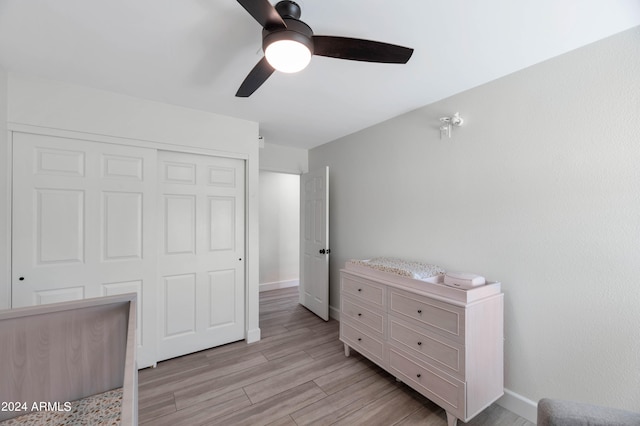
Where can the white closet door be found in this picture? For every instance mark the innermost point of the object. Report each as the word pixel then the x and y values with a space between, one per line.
pixel 84 225
pixel 201 258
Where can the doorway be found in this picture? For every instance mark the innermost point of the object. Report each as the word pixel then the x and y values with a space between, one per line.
pixel 279 230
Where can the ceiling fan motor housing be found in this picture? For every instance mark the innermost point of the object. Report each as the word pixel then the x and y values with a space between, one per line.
pixel 296 31
pixel 288 9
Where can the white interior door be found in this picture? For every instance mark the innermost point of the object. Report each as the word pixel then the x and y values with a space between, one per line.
pixel 201 258
pixel 83 225
pixel 314 250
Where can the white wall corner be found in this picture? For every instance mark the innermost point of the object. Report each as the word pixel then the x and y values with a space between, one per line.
pixel 520 405
pixel 253 249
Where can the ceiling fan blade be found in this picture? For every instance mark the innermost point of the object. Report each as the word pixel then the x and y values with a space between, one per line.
pixel 258 75
pixel 357 49
pixel 263 12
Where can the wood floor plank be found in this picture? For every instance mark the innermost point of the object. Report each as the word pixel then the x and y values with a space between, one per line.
pixel 273 331
pixel 152 408
pixel 295 375
pixel 283 421
pixel 344 377
pixel 179 365
pixel 495 415
pixel 428 415
pixel 303 342
pixel 279 341
pixel 321 350
pixel 205 412
pixel 203 376
pixel 390 408
pixel 325 327
pixel 264 389
pixel 341 404
pixel 190 395
pixel 272 408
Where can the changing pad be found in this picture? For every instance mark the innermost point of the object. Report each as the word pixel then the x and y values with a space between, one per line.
pixel 402 267
pixel 418 276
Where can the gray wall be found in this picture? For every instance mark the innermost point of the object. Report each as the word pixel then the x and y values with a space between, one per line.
pixel 540 190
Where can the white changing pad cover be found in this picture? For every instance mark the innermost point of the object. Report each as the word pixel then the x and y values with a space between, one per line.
pixel 402 267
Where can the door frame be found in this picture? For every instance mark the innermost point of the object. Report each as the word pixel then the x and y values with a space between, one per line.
pixel 333 311
pixel 6 194
pixel 252 330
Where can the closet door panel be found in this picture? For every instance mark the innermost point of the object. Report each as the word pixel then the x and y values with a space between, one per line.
pixel 180 305
pixel 202 237
pixel 84 225
pixel 60 225
pixel 122 225
pixel 180 224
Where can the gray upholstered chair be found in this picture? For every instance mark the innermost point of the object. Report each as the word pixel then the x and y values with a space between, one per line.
pixel 555 412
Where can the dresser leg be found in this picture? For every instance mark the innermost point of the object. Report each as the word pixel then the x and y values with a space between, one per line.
pixel 451 419
pixel 347 350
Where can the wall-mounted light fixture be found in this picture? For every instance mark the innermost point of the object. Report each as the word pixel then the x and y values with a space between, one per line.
pixel 449 122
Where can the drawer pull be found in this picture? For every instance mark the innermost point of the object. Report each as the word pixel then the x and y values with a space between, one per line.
pixel 420 311
pixel 359 289
pixel 419 343
pixel 359 339
pixel 359 314
pixel 418 375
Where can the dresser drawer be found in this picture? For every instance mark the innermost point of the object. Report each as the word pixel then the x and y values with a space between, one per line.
pixel 363 290
pixel 439 351
pixel 359 314
pixel 367 345
pixel 440 317
pixel 444 390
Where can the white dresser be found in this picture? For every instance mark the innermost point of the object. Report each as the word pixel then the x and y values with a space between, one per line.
pixel 444 342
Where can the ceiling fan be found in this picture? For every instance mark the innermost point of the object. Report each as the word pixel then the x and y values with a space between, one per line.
pixel 289 43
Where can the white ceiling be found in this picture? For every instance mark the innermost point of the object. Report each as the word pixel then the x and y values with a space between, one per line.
pixel 195 53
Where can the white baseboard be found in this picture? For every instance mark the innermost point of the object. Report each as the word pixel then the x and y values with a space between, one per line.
pixel 334 313
pixel 253 335
pixel 520 405
pixel 279 284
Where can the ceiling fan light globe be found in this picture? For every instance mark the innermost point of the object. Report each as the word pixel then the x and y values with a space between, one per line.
pixel 288 56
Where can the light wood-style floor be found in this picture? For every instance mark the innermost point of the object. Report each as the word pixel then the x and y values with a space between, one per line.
pixel 296 375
